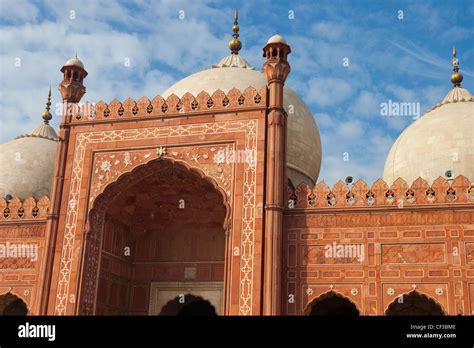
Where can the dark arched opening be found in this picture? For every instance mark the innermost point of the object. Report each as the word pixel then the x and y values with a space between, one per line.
pixel 332 304
pixel 12 305
pixel 414 303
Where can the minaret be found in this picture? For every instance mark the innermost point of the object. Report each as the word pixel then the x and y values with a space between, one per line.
pixel 456 77
pixel 72 90
pixel 71 87
pixel 276 69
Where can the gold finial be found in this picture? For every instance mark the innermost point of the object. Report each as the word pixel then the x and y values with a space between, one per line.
pixel 456 77
pixel 235 45
pixel 47 115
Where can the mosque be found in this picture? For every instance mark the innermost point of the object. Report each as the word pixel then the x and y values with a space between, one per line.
pixel 206 200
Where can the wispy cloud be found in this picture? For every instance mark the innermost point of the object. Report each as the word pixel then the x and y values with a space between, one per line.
pixel 426 56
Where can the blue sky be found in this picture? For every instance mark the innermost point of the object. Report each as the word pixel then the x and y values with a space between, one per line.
pixel 405 60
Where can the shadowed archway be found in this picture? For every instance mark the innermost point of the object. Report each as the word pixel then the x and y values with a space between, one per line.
pixel 332 304
pixel 414 303
pixel 161 222
pixel 12 305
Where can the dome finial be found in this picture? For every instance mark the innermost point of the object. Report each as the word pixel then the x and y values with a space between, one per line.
pixel 235 45
pixel 46 114
pixel 456 77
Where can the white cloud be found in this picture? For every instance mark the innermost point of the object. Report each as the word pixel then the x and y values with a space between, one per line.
pixel 324 120
pixel 352 129
pixel 326 91
pixel 12 11
pixel 329 30
pixel 403 94
pixel 362 157
pixel 152 38
pixel 367 104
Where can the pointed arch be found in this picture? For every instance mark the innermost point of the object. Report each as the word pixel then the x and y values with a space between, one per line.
pixel 129 179
pixel 97 213
pixel 414 303
pixel 12 305
pixel 332 303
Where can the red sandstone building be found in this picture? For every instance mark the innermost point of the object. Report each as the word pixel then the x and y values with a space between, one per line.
pixel 209 195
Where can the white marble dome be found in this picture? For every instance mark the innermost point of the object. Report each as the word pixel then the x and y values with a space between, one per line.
pixel 304 143
pixel 27 164
pixel 441 140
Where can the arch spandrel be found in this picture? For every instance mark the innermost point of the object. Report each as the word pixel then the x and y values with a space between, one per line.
pixel 139 172
pixel 327 294
pixel 208 160
pixel 428 300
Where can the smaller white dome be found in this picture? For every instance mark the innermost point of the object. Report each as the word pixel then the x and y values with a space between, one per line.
pixel 27 167
pixel 27 163
pixel 74 62
pixel 276 39
pixel 441 140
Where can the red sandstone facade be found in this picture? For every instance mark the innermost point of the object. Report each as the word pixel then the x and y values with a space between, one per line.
pixel 139 200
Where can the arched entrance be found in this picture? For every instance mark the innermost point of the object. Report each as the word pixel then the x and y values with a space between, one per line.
pixel 414 303
pixel 332 304
pixel 11 304
pixel 188 305
pixel 163 222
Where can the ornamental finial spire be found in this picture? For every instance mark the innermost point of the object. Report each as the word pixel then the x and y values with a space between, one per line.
pixel 235 45
pixel 46 114
pixel 456 77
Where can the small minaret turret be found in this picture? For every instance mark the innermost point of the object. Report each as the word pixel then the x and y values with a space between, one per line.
pixel 71 87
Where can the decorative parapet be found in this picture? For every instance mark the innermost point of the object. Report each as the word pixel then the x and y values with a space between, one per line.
pixel 172 106
pixel 28 209
pixel 399 194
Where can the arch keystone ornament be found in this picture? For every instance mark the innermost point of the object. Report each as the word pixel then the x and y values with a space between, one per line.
pixel 161 151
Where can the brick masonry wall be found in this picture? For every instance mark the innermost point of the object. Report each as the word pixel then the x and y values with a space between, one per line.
pixel 407 245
